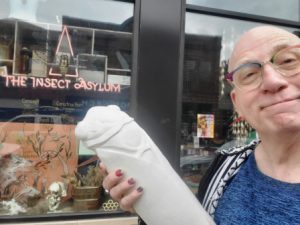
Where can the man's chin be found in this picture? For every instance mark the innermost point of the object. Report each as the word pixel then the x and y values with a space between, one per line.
pixel 280 123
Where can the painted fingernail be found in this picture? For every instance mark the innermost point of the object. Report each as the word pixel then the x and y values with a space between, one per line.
pixel 139 189
pixel 131 181
pixel 118 173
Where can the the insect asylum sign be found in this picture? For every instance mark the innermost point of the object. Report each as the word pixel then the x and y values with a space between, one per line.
pixel 65 71
pixel 54 83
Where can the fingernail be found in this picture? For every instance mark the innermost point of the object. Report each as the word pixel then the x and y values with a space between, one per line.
pixel 131 181
pixel 119 173
pixel 139 189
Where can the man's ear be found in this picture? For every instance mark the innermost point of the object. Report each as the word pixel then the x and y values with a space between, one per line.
pixel 235 102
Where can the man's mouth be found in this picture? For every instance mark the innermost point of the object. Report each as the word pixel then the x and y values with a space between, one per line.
pixel 279 102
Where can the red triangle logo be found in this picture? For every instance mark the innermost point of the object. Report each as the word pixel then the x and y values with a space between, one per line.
pixel 64 64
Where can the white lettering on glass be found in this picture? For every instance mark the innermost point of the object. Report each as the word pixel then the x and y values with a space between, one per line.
pixel 62 84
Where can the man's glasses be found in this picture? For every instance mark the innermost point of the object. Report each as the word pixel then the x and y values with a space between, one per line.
pixel 248 76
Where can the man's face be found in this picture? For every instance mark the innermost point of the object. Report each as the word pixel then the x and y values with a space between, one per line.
pixel 274 106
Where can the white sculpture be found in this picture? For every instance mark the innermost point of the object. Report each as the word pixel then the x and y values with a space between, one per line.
pixel 56 190
pixel 122 144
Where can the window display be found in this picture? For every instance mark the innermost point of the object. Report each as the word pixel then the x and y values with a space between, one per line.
pixel 51 72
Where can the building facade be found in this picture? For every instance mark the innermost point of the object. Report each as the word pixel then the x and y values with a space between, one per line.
pixel 161 61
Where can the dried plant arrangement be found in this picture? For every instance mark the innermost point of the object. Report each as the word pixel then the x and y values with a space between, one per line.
pixel 93 177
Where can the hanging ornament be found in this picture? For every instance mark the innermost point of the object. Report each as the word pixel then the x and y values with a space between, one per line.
pixel 223 71
pixel 240 129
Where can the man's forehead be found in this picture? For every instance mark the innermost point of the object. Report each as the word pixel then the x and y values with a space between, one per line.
pixel 260 52
pixel 260 42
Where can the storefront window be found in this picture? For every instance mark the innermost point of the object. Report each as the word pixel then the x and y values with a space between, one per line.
pixel 271 8
pixel 208 120
pixel 57 61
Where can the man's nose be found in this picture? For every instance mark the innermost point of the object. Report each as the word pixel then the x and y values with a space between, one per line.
pixel 272 80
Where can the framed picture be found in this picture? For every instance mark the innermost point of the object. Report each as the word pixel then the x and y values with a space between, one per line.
pixel 93 67
pixel 39 63
pixel 4 51
pixel 3 70
pixel 39 153
pixel 205 125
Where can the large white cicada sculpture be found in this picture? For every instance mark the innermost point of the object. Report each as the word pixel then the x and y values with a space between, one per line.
pixel 122 144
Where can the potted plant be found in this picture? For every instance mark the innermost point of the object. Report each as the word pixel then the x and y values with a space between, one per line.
pixel 86 189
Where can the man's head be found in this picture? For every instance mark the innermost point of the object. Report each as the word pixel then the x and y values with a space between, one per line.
pixel 258 37
pixel 275 101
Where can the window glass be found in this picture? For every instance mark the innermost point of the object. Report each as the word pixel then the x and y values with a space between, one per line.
pixel 93 12
pixel 58 58
pixel 288 10
pixel 208 121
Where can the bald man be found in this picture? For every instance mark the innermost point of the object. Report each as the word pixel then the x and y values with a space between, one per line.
pixel 258 183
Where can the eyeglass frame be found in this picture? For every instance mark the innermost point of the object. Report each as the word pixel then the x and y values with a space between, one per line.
pixel 229 76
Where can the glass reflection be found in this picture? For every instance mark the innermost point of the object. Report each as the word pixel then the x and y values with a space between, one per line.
pixel 288 10
pixel 53 11
pixel 208 122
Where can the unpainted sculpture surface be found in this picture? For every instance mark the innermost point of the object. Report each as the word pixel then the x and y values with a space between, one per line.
pixel 122 144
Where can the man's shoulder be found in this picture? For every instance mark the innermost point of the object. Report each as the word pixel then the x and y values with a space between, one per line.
pixel 234 147
pixel 225 165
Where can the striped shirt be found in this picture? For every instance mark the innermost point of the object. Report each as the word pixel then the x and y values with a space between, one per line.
pixel 221 171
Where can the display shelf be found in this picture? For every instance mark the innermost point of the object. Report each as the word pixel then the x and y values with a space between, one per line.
pixel 36 49
pixel 6 60
pixel 29 38
pixel 7 36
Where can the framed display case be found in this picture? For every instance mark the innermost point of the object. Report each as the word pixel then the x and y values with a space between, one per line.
pixel 50 75
pixel 7 37
pixel 93 67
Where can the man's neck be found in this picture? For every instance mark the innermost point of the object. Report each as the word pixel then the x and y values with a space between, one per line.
pixel 279 157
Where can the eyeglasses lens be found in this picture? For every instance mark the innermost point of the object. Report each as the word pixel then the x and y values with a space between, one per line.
pixel 287 62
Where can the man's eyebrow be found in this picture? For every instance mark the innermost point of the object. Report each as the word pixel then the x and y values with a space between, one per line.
pixel 279 47
pixel 273 51
pixel 244 61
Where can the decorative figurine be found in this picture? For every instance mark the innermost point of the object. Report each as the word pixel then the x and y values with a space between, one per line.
pixel 64 62
pixel 56 190
pixel 26 60
pixel 121 143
